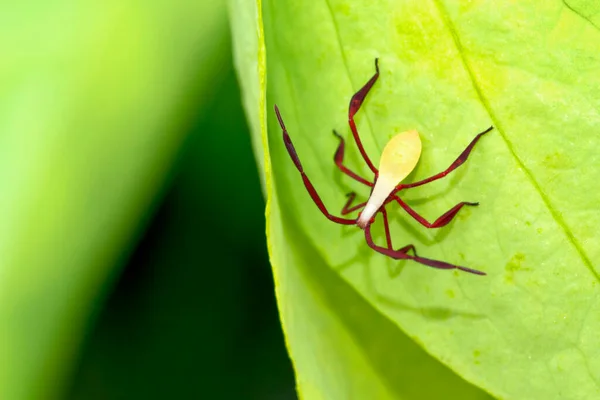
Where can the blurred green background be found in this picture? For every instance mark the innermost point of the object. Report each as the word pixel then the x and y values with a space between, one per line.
pixel 193 315
pixel 133 260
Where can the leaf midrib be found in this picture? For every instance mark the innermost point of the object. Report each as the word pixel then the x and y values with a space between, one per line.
pixel 498 125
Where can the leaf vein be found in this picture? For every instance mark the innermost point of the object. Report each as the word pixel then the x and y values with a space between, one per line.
pixel 486 104
pixel 345 61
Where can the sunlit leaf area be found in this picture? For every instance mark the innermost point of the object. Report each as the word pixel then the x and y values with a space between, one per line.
pixel 163 232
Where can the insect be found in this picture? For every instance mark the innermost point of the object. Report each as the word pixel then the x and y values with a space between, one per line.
pixel 399 158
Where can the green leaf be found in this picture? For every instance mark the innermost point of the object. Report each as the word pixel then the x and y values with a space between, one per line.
pixel 340 345
pixel 93 100
pixel 587 9
pixel 249 59
pixel 450 70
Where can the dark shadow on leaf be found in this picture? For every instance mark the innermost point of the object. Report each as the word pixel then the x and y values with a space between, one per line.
pixel 435 313
pixel 399 362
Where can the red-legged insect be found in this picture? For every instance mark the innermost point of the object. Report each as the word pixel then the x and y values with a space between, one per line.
pixel 399 158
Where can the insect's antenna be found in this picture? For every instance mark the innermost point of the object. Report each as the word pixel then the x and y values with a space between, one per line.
pixel 399 255
pixel 309 186
pixel 355 104
pixel 457 163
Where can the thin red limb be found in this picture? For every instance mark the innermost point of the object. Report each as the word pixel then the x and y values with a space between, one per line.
pixel 347 209
pixel 406 248
pixel 399 255
pixel 386 225
pixel 309 186
pixel 338 158
pixel 457 163
pixel 388 236
pixel 355 104
pixel 441 221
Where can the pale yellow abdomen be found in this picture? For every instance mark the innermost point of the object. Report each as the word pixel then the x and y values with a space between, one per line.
pixel 399 158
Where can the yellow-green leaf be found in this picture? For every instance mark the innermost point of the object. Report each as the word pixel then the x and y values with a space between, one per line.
pixel 449 69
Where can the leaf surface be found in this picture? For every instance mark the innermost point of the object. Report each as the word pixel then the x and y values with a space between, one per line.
pixel 449 70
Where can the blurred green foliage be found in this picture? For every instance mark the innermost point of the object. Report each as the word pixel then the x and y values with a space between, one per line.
pixel 194 315
pixel 96 100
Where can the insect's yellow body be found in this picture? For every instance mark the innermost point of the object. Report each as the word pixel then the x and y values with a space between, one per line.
pixel 400 156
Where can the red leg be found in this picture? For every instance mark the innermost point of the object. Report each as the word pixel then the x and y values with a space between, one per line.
pixel 338 158
pixel 309 186
pixel 388 236
pixel 386 225
pixel 355 104
pixel 406 248
pixel 457 163
pixel 347 209
pixel 400 255
pixel 441 221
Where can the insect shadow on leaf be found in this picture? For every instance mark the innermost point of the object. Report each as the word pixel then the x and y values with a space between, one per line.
pixel 399 157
